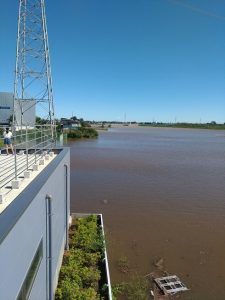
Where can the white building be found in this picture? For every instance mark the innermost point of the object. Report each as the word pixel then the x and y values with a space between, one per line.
pixel 33 228
pixel 6 107
pixel 24 110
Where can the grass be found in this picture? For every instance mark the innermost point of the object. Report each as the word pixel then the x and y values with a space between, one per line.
pixel 136 289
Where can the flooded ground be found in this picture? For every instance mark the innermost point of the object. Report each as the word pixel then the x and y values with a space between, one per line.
pixel 161 192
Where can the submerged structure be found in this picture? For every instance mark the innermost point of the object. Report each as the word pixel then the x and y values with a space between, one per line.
pixel 170 285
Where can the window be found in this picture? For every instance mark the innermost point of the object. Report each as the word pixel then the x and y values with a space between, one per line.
pixel 29 280
pixel 4 107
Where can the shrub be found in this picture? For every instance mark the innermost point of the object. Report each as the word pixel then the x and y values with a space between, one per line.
pixel 80 275
pixel 75 134
pixel 82 132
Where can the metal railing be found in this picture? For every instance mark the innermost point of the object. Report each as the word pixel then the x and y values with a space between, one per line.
pixel 30 144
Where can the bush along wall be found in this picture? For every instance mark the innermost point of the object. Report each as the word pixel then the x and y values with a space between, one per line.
pixel 80 274
pixel 82 132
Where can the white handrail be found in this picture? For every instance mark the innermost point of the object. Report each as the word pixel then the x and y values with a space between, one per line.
pixel 32 142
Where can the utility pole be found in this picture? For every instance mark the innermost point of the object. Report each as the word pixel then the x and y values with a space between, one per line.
pixel 33 80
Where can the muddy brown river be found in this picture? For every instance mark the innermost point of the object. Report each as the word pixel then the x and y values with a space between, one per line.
pixel 162 195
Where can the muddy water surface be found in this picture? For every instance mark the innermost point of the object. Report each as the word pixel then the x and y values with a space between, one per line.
pixel 162 195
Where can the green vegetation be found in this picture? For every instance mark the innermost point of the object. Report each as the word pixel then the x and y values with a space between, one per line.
pixel 41 121
pixel 123 264
pixel 212 125
pixel 136 289
pixel 80 273
pixel 82 132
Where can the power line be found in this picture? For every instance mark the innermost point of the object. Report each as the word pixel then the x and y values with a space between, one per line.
pixel 196 9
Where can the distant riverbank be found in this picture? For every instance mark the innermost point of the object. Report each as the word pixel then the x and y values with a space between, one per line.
pixel 212 125
pixel 176 125
pixel 186 125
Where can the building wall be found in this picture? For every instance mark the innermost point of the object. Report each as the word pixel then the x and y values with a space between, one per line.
pixel 21 235
pixel 28 107
pixel 6 107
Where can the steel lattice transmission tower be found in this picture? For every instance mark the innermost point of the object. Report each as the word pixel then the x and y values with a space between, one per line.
pixel 33 81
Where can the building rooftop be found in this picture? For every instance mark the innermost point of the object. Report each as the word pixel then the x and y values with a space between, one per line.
pixel 27 167
pixel 33 148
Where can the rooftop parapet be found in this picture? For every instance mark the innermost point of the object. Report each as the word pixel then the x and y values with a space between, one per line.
pixel 32 147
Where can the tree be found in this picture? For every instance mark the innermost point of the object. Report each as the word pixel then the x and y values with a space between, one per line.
pixel 40 121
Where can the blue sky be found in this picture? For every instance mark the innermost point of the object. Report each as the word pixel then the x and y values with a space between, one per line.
pixel 161 60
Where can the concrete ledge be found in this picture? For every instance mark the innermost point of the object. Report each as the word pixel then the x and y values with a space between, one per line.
pixel 26 174
pixel 15 184
pixel 2 198
pixel 41 162
pixel 35 167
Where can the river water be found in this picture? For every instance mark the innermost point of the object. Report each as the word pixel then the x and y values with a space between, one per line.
pixel 161 192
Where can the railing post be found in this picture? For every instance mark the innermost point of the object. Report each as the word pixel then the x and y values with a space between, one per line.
pixel 26 147
pixel 15 160
pixel 41 138
pixel 50 137
pixel 35 144
pixel 20 137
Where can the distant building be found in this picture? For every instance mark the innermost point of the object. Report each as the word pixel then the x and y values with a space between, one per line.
pixel 24 110
pixel 69 123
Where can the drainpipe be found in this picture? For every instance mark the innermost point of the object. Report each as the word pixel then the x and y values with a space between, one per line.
pixel 49 246
pixel 66 207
